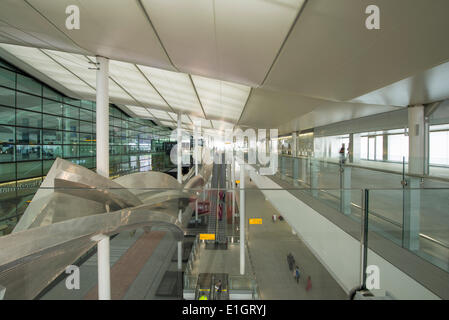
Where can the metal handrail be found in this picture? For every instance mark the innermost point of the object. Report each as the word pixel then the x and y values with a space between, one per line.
pixel 422 235
pixel 413 175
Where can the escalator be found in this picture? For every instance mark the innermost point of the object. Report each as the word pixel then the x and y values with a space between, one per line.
pixel 206 286
pixel 203 287
pixel 217 218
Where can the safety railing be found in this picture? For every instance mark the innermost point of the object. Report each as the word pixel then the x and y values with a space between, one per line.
pixel 66 218
pixel 408 209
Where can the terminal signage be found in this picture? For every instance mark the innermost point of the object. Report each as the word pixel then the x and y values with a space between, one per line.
pixel 207 236
pixel 255 221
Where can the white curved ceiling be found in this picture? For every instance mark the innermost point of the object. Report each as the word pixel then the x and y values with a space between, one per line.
pixel 303 59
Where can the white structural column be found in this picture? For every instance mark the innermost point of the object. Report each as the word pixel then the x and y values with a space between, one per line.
pixel 417 140
pixel 233 188
pixel 242 217
pixel 102 144
pixel 196 142
pixel 294 144
pixel 104 273
pixel 102 139
pixel 179 163
pixel 196 138
pixel 416 165
pixel 354 147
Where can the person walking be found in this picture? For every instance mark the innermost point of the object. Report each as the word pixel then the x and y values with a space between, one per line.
pixel 218 289
pixel 342 154
pixel 309 283
pixel 297 274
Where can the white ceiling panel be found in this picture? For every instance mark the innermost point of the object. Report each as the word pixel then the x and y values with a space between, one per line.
pixel 40 61
pixel 332 112
pixel 222 125
pixel 175 87
pixel 21 21
pixel 110 28
pixel 232 40
pixel 425 87
pixel 184 118
pixel 201 122
pixel 15 36
pixel 269 108
pixel 168 124
pixel 139 111
pixel 130 78
pixel 78 64
pixel 220 99
pixel 330 54
pixel 115 92
pixel 159 114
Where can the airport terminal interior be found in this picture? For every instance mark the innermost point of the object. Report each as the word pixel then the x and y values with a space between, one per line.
pixel 224 150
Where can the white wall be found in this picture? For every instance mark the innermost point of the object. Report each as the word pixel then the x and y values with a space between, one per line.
pixel 335 249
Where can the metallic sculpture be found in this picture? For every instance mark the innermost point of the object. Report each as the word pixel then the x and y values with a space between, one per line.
pixel 75 204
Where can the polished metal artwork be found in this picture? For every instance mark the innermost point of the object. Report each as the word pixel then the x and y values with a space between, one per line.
pixel 73 205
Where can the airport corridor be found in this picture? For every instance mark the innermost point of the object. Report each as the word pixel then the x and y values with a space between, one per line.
pixel 269 245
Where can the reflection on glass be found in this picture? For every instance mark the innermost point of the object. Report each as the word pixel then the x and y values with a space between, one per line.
pixel 29 169
pixel 28 119
pixel 29 102
pixel 28 135
pixel 52 137
pixel 7 172
pixel 7 78
pixel 71 112
pixel 51 94
pixel 71 137
pixel 52 122
pixel 52 107
pixel 29 85
pixel 7 115
pixel 85 115
pixel 51 152
pixel 71 151
pixel 25 153
pixel 85 126
pixel 6 152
